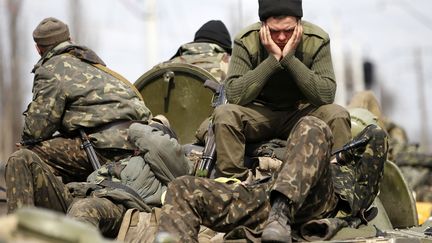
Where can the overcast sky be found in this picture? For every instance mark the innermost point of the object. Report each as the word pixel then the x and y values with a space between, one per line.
pixel 388 32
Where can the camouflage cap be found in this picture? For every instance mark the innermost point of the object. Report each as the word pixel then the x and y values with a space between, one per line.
pixel 51 31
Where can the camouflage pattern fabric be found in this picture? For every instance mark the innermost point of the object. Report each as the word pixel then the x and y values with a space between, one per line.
pixel 73 165
pixel 31 183
pixel 305 178
pixel 70 93
pixel 235 126
pixel 415 165
pixel 396 134
pixel 357 180
pixel 208 56
pixel 192 201
pixel 106 215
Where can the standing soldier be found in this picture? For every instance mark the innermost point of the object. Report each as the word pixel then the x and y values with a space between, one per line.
pixel 73 90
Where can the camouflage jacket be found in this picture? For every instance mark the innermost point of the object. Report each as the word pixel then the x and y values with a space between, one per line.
pixel 208 56
pixel 69 93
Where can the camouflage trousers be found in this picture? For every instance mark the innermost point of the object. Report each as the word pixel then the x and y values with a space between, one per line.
pixel 305 178
pixel 69 160
pixel 235 126
pixel 31 182
pixel 104 214
pixel 61 157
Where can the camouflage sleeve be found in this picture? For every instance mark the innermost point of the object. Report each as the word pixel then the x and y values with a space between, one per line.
pixel 318 82
pixel 43 115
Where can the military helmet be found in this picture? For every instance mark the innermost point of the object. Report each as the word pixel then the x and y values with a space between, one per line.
pixel 361 118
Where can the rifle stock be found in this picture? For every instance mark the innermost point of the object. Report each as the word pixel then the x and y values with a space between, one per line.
pixel 89 149
pixel 208 158
pixel 346 152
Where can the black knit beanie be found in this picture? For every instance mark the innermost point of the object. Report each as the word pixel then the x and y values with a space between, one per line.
pixel 51 31
pixel 214 31
pixel 273 8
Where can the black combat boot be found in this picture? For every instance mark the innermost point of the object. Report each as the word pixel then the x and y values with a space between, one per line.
pixel 277 228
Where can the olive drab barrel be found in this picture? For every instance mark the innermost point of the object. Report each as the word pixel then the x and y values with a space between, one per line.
pixel 176 90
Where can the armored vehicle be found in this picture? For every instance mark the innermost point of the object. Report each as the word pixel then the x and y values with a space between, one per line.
pixel 177 91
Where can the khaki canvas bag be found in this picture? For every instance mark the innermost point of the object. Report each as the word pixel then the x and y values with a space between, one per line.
pixel 139 226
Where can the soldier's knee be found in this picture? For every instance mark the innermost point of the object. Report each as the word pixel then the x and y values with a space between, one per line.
pixel 337 112
pixel 377 139
pixel 180 182
pixel 331 111
pixel 312 121
pixel 22 156
pixel 81 207
pixel 224 113
pixel 313 125
pixel 83 210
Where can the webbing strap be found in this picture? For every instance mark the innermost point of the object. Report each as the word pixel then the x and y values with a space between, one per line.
pixel 118 185
pixel 127 221
pixel 119 77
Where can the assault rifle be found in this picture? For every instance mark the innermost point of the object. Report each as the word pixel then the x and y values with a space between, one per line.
pixel 353 144
pixel 345 153
pixel 89 149
pixel 206 163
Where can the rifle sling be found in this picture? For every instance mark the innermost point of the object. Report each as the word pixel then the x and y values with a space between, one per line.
pixel 119 77
pixel 118 185
pixel 120 124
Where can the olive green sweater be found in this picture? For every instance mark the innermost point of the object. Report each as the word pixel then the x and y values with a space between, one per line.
pixel 306 75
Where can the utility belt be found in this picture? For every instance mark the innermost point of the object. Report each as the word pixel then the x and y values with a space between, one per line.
pixel 121 124
pixel 124 124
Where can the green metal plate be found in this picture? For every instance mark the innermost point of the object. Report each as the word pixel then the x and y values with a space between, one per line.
pixel 397 198
pixel 176 90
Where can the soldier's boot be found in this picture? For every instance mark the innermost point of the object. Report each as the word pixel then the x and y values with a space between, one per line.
pixel 277 228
